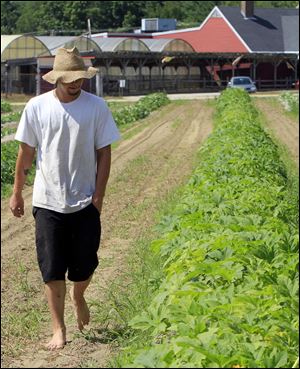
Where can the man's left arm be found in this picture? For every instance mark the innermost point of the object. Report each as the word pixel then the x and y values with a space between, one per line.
pixel 103 170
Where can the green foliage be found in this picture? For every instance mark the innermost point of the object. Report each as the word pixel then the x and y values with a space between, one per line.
pixel 290 102
pixel 5 107
pixel 12 117
pixel 7 131
pixel 44 16
pixel 229 296
pixel 10 12
pixel 9 153
pixel 141 109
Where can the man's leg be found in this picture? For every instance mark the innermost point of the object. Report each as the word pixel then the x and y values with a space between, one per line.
pixel 81 309
pixel 56 292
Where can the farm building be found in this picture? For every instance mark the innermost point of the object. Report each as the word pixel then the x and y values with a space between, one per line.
pixel 261 43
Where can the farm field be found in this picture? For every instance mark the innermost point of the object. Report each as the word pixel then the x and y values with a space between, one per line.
pixel 285 128
pixel 148 166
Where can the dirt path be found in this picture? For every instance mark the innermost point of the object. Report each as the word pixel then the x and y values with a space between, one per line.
pixel 145 169
pixel 285 129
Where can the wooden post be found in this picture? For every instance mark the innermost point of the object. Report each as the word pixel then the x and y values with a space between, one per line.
pixel 276 65
pixel 254 65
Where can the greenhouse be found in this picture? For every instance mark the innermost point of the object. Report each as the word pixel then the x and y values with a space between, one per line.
pixel 168 44
pixel 121 44
pixel 83 43
pixel 21 46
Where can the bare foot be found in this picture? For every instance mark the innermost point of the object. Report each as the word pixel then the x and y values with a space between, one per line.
pixel 58 340
pixel 81 310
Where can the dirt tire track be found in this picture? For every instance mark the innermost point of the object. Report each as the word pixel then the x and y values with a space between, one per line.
pixel 285 128
pixel 163 154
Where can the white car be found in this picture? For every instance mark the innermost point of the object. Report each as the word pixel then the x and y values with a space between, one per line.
pixel 242 82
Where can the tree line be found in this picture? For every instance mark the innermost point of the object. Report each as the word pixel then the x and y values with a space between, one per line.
pixel 70 17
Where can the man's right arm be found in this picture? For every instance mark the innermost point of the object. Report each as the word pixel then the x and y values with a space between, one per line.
pixel 23 164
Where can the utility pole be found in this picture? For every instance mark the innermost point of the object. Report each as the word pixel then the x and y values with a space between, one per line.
pixel 89 28
pixel 89 37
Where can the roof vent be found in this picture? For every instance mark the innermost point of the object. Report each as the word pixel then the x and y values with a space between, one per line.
pixel 158 24
pixel 247 9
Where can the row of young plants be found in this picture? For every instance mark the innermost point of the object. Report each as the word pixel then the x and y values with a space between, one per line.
pixel 290 102
pixel 8 116
pixel 141 109
pixel 125 115
pixel 230 251
pixel 5 107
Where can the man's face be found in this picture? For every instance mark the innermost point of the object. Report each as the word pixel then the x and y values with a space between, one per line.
pixel 72 88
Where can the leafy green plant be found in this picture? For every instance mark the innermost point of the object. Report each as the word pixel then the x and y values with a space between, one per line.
pixel 12 117
pixel 9 153
pixel 290 102
pixel 5 107
pixel 228 297
pixel 7 131
pixel 141 109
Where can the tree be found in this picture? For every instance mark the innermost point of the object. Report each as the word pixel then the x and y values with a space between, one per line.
pixel 9 15
pixel 197 11
pixel 173 9
pixel 29 17
pixel 75 14
pixel 153 9
pixel 121 8
pixel 44 16
pixel 100 14
pixel 130 20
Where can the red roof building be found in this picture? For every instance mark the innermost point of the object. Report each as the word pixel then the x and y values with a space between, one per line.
pixel 214 35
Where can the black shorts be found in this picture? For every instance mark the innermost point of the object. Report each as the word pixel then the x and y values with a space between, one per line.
pixel 67 243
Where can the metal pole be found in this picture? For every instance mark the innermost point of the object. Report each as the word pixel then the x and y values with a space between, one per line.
pixel 6 80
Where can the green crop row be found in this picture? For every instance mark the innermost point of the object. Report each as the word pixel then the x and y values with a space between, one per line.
pixel 12 117
pixel 290 102
pixel 230 251
pixel 7 131
pixel 5 107
pixel 141 109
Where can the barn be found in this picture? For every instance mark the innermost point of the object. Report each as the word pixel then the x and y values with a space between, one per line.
pixel 261 43
pixel 249 31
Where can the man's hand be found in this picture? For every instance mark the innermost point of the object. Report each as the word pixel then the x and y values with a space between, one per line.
pixel 103 168
pixel 23 164
pixel 16 204
pixel 97 202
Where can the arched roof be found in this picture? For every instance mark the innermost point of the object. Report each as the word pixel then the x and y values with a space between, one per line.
pixel 21 46
pixel 29 46
pixel 168 44
pixel 84 44
pixel 120 44
pixel 54 42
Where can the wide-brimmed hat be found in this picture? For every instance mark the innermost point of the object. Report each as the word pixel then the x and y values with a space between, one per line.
pixel 68 67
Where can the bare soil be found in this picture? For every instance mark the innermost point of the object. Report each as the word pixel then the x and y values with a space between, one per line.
pixel 145 170
pixel 284 128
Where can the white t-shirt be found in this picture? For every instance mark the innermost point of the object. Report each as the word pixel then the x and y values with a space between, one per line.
pixel 66 136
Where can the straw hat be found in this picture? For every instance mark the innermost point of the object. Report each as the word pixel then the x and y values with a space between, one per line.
pixel 68 67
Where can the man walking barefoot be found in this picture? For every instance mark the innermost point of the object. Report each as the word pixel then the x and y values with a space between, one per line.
pixel 72 132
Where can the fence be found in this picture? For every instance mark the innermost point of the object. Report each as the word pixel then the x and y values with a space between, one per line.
pixel 138 85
